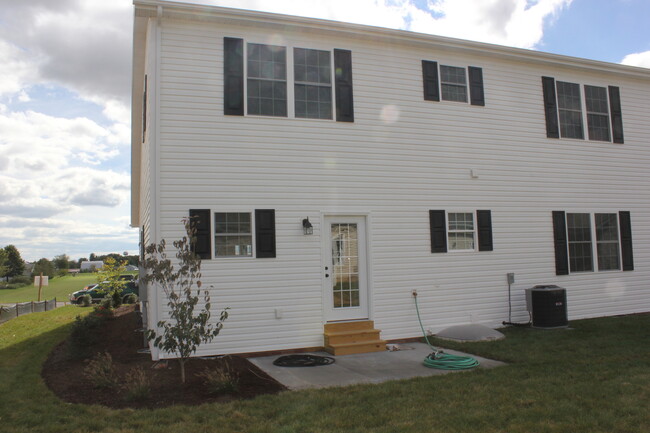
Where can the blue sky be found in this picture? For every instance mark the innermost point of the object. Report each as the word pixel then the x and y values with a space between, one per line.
pixel 65 94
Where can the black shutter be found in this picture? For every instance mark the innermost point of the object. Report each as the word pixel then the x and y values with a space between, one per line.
pixel 476 95
pixel 559 235
pixel 550 107
pixel 438 225
pixel 200 221
pixel 233 76
pixel 343 85
pixel 144 109
pixel 265 233
pixel 625 227
pixel 617 114
pixel 484 226
pixel 430 80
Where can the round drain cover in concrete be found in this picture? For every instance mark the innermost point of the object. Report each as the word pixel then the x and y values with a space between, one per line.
pixel 470 333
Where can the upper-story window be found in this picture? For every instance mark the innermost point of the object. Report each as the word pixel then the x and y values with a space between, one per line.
pixel 267 80
pixel 313 83
pixel 565 117
pixel 312 91
pixel 453 83
pixel 450 83
pixel 597 113
pixel 570 110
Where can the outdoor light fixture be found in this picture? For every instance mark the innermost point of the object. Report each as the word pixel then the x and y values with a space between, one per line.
pixel 307 228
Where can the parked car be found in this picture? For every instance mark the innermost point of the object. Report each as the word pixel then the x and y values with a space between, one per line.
pixel 97 293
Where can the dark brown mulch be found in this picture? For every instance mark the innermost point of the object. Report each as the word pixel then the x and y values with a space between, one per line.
pixel 121 338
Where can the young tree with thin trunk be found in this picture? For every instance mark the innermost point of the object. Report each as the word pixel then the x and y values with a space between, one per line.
pixel 186 328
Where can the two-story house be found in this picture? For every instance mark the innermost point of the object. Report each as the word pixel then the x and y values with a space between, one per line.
pixel 334 168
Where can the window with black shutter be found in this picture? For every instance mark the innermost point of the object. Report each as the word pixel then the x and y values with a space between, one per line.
pixel 452 83
pixel 563 110
pixel 588 242
pixel 460 231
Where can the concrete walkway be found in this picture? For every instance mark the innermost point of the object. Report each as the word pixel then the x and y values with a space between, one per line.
pixel 363 368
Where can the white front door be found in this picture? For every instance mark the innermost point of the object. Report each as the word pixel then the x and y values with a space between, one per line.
pixel 345 268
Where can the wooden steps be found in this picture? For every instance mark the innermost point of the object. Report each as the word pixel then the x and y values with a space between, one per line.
pixel 347 338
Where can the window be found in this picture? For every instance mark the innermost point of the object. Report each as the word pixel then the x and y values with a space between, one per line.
pixel 232 234
pixel 460 234
pixel 265 88
pixel 612 247
pixel 570 109
pixel 597 113
pixel 313 83
pixel 579 237
pixel 460 231
pixel 267 80
pixel 607 244
pixel 565 118
pixel 453 83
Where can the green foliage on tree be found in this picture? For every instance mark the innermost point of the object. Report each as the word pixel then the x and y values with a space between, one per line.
pixel 186 328
pixel 108 277
pixel 61 262
pixel 15 263
pixel 45 266
pixel 3 263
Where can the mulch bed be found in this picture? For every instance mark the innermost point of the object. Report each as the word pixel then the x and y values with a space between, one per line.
pixel 122 338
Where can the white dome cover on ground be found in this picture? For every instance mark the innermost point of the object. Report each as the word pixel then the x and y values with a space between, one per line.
pixel 471 332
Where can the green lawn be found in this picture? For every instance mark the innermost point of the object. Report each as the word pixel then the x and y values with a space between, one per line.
pixel 592 378
pixel 59 288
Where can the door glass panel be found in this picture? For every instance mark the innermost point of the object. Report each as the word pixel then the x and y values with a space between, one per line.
pixel 345 265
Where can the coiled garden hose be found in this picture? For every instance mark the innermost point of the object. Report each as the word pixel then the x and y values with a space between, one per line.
pixel 439 359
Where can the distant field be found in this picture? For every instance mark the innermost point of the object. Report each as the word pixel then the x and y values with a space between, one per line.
pixel 59 288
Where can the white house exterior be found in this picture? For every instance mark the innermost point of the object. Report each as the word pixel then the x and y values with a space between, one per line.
pixel 423 163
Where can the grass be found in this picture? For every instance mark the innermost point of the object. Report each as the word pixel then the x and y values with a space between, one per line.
pixel 59 288
pixel 593 378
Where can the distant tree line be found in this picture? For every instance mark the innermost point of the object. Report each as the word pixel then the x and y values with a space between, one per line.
pixel 12 265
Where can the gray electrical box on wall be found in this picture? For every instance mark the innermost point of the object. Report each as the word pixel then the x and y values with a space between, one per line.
pixel 511 278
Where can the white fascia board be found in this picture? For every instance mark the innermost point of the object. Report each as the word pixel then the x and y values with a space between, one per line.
pixel 221 14
pixel 137 88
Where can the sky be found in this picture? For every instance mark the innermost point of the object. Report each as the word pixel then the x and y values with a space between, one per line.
pixel 65 83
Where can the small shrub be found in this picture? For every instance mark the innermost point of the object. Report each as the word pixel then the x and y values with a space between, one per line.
pixel 219 380
pixel 136 386
pixel 84 334
pixel 116 298
pixel 8 286
pixel 20 281
pixel 101 372
pixel 86 300
pixel 131 298
pixel 105 309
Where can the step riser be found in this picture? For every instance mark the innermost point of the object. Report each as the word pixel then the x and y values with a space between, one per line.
pixel 367 336
pixel 351 350
pixel 349 326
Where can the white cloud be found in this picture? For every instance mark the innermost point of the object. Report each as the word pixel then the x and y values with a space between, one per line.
pixel 637 59
pixel 518 23
pixel 507 22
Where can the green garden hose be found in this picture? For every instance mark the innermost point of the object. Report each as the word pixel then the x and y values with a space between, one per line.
pixel 439 359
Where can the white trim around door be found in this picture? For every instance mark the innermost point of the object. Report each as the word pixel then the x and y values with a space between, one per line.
pixel 345 267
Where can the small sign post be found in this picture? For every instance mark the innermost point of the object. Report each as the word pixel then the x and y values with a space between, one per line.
pixel 40 281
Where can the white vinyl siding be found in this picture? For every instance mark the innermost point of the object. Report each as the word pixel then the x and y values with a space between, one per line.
pixel 401 157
